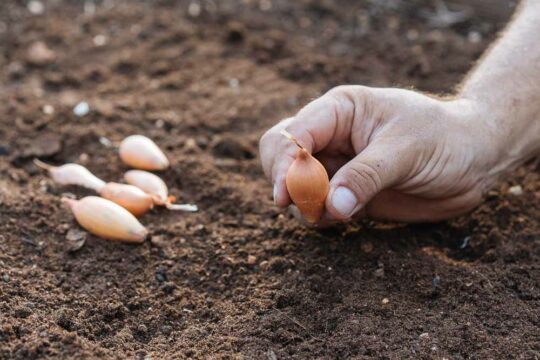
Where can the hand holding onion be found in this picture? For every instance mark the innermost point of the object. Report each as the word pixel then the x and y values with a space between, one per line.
pixel 307 182
pixel 390 153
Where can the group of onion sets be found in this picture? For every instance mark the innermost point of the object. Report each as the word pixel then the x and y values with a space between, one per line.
pixel 113 216
pixel 307 182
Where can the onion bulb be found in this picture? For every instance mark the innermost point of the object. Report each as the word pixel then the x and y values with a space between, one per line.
pixel 307 183
pixel 145 191
pixel 106 219
pixel 140 152
pixel 129 197
pixel 72 174
pixel 154 186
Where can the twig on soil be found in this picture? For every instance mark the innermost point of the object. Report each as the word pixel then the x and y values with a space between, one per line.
pixel 28 241
pixel 42 165
pixel 108 143
pixel 465 242
pixel 485 278
pixel 298 323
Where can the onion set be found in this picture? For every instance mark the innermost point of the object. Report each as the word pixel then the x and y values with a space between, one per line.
pixel 113 215
pixel 140 152
pixel 106 219
pixel 307 182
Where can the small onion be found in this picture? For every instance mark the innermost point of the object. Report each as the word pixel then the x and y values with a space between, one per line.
pixel 129 197
pixel 106 219
pixel 140 152
pixel 72 174
pixel 153 185
pixel 149 183
pixel 307 183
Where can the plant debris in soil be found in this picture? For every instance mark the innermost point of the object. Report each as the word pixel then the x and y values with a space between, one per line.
pixel 239 278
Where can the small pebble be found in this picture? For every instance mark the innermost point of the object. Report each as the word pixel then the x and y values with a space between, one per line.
pixel 191 145
pixel 366 246
pixel 194 9
pixel 142 329
pixel 251 259
pixel 89 7
pixel 40 54
pixel 474 37
pixel 76 239
pixel 81 109
pixel 48 109
pixel 424 335
pixel 105 142
pixel 234 84
pixel 35 7
pixel 100 40
pixel 516 190
pixel 158 240
pixel 6 278
pixel 436 282
pixel 385 301
pixel 75 235
pixel 379 273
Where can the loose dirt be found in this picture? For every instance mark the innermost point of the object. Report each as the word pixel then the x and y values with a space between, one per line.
pixel 239 278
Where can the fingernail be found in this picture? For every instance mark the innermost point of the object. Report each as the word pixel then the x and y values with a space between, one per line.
pixel 344 201
pixel 274 194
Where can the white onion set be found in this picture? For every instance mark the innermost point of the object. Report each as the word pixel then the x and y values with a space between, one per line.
pixel 106 219
pixel 113 215
pixel 129 197
pixel 140 152
pixel 153 185
pixel 72 174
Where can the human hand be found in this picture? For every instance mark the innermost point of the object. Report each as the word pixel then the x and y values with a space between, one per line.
pixel 391 153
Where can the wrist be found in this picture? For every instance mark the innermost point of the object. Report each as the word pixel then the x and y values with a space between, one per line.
pixel 505 133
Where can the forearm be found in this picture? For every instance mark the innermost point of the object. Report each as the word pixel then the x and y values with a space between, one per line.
pixel 506 86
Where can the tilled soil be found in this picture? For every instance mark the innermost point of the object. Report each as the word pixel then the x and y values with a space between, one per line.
pixel 239 278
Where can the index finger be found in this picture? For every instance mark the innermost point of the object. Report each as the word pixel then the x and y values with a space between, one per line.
pixel 315 126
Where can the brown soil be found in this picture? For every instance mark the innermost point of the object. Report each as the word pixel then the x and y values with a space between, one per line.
pixel 239 278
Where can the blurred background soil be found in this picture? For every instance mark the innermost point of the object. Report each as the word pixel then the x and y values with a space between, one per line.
pixel 240 278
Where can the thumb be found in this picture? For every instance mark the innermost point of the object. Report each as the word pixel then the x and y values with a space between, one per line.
pixel 377 167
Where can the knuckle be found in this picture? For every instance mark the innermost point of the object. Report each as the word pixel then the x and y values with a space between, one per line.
pixel 340 100
pixel 359 97
pixel 339 90
pixel 268 139
pixel 364 178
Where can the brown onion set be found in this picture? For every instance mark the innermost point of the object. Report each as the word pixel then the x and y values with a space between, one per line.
pixel 307 183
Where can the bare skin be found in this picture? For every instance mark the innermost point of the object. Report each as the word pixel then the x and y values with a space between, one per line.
pixel 403 155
